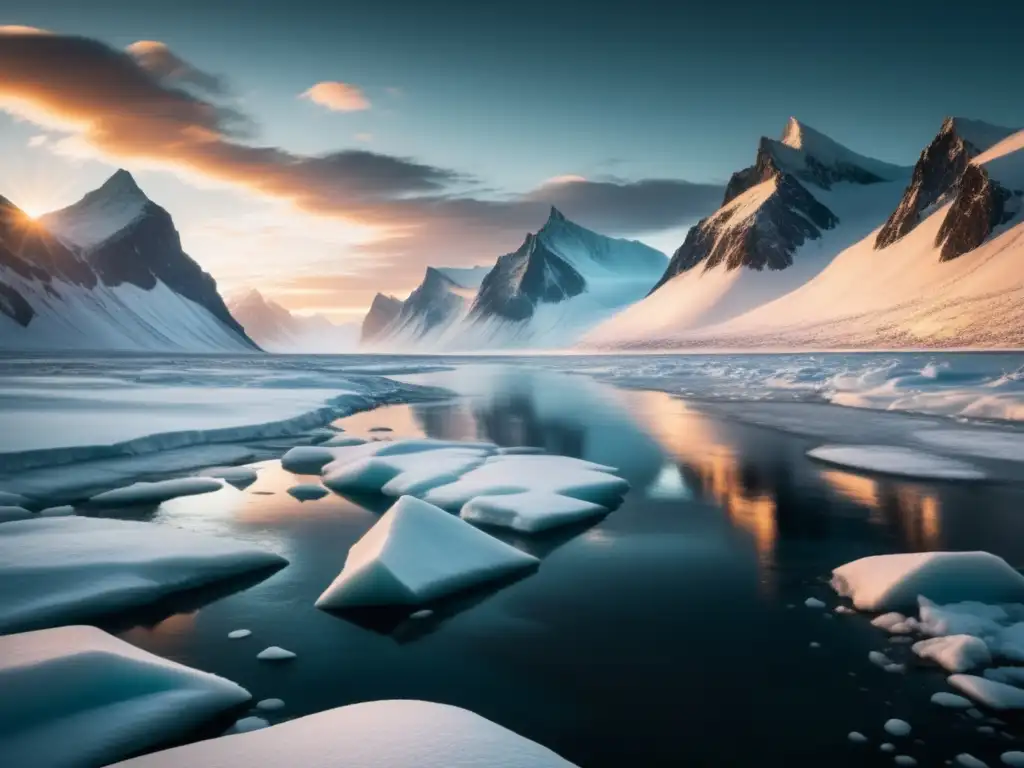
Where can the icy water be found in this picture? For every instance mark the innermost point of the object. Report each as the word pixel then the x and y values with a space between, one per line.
pixel 673 632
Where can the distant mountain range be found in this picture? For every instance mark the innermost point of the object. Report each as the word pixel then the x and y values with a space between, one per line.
pixel 276 329
pixel 816 246
pixel 107 273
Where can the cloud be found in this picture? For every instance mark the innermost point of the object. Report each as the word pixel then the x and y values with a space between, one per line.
pixel 148 107
pixel 364 137
pixel 337 97
pixel 38 140
pixel 169 68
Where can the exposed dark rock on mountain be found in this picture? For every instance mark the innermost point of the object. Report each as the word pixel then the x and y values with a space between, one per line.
pixel 383 310
pixel 980 206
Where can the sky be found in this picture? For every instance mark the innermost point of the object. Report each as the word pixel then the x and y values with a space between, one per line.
pixel 322 153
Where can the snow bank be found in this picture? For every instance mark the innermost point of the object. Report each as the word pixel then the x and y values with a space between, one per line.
pixel 307 491
pixel 529 512
pixel 893 582
pixel 955 653
pixel 416 553
pixel 156 493
pixel 71 568
pixel 891 460
pixel 989 692
pixel 76 696
pixel 383 734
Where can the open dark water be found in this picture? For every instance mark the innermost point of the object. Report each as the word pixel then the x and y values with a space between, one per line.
pixel 671 633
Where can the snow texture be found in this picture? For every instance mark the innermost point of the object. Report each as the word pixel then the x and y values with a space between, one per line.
pixel 73 568
pixel 530 511
pixel 416 553
pixel 383 734
pixel 156 493
pixel 76 696
pixel 891 460
pixel 893 582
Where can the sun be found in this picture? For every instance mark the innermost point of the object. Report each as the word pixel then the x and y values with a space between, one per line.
pixel 32 211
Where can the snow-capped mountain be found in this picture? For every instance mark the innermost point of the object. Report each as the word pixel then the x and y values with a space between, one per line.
pixel 276 329
pixel 559 283
pixel 107 273
pixel 383 310
pixel 948 272
pixel 782 221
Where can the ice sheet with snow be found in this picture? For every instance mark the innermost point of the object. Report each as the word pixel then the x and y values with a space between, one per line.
pixel 157 492
pixel 530 511
pixel 383 734
pixel 73 568
pixel 75 696
pixel 416 553
pixel 955 653
pixel 892 460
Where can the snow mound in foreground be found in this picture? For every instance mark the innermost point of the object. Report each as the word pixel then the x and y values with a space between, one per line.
pixel 891 460
pixel 158 492
pixel 76 696
pixel 893 582
pixel 384 734
pixel 416 553
pixel 71 568
pixel 530 511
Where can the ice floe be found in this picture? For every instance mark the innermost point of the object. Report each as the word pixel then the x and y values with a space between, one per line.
pixel 904 760
pixel 240 477
pixel 72 568
pixel 1014 759
pixel 530 511
pixel 950 700
pixel 892 460
pixel 238 634
pixel 156 493
pixel 246 725
pixel 887 747
pixel 893 582
pixel 10 514
pixel 384 734
pixel 813 602
pixel 307 459
pixel 275 653
pixel 879 659
pixel 413 473
pixel 270 705
pixel 307 491
pixel 856 737
pixel 417 552
pixel 968 760
pixel 896 727
pixel 955 653
pixel 77 696
pixel 988 692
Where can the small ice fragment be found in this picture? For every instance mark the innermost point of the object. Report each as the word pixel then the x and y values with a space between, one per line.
pixel 815 644
pixel 888 620
pixel 887 747
pixel 422 614
pixel 857 737
pixel 843 609
pixel 879 658
pixel 273 653
pixel 270 705
pixel 813 602
pixel 950 700
pixel 897 727
pixel 308 491
pixel 986 729
pixel 975 713
pixel 247 724
pixel 904 760
pixel 969 761
pixel 895 668
pixel 238 634
pixel 1015 759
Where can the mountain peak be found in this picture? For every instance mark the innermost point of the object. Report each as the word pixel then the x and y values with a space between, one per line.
pixel 555 215
pixel 121 182
pixel 100 214
pixel 980 135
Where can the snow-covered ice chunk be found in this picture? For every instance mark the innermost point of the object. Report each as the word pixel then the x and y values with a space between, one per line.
pixel 950 700
pixel 1009 642
pixel 275 653
pixel 966 618
pixel 530 511
pixel 564 475
pixel 843 610
pixel 10 514
pixel 71 568
pixel 813 602
pixel 893 582
pixel 246 725
pixel 1008 675
pixel 240 477
pixel 417 552
pixel 968 760
pixel 889 620
pixel 8 499
pixel 62 511
pixel 989 692
pixel 412 473
pixel 424 613
pixel 158 492
pixel 955 653
pixel 238 634
pixel 307 491
pixel 76 696
pixel 307 459
pixel 270 705
pixel 383 734
pixel 856 737
pixel 1014 759
pixel 896 727
pixel 892 460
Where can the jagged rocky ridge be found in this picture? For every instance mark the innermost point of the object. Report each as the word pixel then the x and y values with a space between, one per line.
pixel 938 172
pixel 768 212
pixel 383 310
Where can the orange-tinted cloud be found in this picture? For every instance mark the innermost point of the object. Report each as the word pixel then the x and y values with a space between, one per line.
pixel 337 97
pixel 169 68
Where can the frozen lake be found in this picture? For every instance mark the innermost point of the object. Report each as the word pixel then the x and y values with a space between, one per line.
pixel 672 632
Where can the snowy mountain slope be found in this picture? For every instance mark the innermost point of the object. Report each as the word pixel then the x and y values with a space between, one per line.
pixel 782 221
pixel 956 279
pixel 276 329
pixel 383 310
pixel 131 288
